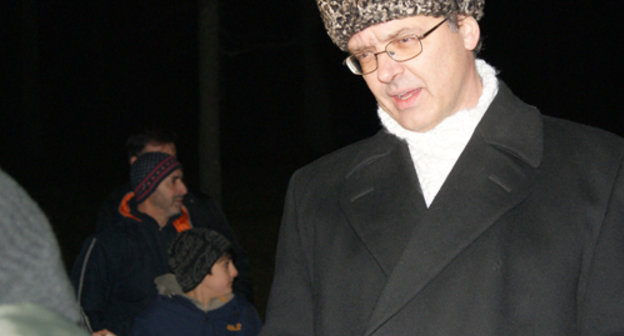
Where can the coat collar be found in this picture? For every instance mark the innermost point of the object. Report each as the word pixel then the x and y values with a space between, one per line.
pixel 514 127
pixel 128 208
pixel 381 199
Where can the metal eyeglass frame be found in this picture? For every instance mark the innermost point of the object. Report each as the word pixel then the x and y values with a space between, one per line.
pixel 353 64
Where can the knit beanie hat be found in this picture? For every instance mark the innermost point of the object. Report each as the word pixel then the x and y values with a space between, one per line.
pixel 192 254
pixel 345 18
pixel 148 171
pixel 31 269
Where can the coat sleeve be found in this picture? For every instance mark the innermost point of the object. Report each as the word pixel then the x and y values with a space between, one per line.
pixel 601 304
pixel 91 278
pixel 290 309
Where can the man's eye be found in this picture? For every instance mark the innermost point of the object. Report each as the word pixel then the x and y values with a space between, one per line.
pixel 364 56
pixel 407 40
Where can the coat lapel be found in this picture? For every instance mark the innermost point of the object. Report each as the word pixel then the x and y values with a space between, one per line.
pixel 494 173
pixel 381 199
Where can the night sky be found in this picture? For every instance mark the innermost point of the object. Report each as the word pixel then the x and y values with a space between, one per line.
pixel 79 77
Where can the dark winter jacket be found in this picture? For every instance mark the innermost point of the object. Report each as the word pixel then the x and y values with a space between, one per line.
pixel 114 273
pixel 178 315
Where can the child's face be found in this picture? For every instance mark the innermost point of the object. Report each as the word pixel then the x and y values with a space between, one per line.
pixel 219 282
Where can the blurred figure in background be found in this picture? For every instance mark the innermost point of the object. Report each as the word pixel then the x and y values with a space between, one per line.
pixel 115 271
pixel 36 297
pixel 201 208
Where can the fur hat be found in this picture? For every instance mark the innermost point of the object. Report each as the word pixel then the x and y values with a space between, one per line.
pixel 345 18
pixel 148 171
pixel 192 254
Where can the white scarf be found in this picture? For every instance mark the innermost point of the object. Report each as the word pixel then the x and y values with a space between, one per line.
pixel 435 152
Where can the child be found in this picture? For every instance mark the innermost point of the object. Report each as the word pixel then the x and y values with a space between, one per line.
pixel 197 299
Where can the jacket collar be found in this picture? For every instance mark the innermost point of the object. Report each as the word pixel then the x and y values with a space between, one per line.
pixel 168 285
pixel 381 197
pixel 128 209
pixel 513 127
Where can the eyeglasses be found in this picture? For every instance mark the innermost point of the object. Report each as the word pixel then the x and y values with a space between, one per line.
pixel 400 50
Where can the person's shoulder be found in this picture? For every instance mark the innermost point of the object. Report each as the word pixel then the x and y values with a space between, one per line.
pixel 122 231
pixel 582 139
pixel 121 226
pixel 588 131
pixel 341 161
pixel 588 153
pixel 236 305
pixel 163 302
pixel 248 314
pixel 242 302
pixel 168 306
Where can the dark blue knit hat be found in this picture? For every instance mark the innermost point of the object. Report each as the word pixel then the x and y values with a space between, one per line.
pixel 148 171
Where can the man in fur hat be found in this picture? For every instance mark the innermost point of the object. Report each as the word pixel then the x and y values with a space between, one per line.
pixel 469 213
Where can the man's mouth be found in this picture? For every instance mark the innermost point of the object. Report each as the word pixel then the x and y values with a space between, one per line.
pixel 406 98
pixel 406 95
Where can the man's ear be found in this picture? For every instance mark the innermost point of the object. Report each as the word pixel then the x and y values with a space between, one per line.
pixel 470 31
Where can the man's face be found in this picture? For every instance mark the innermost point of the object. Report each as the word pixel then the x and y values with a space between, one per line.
pixel 167 198
pixel 421 92
pixel 219 281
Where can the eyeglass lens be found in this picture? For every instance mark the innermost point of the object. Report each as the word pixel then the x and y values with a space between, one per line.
pixel 400 50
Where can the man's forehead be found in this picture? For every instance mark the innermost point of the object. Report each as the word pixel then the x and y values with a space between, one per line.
pixel 176 173
pixel 387 31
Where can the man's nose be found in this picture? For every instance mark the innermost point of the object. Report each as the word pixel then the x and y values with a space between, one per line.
pixel 233 271
pixel 387 68
pixel 183 188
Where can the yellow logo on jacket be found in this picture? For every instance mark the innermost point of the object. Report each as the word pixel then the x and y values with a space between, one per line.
pixel 237 327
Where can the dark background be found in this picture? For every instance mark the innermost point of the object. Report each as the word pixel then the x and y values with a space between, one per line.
pixel 107 69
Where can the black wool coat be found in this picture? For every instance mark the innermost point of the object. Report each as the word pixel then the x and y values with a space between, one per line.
pixel 525 237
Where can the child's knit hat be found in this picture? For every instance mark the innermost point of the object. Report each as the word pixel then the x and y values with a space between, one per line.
pixel 192 254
